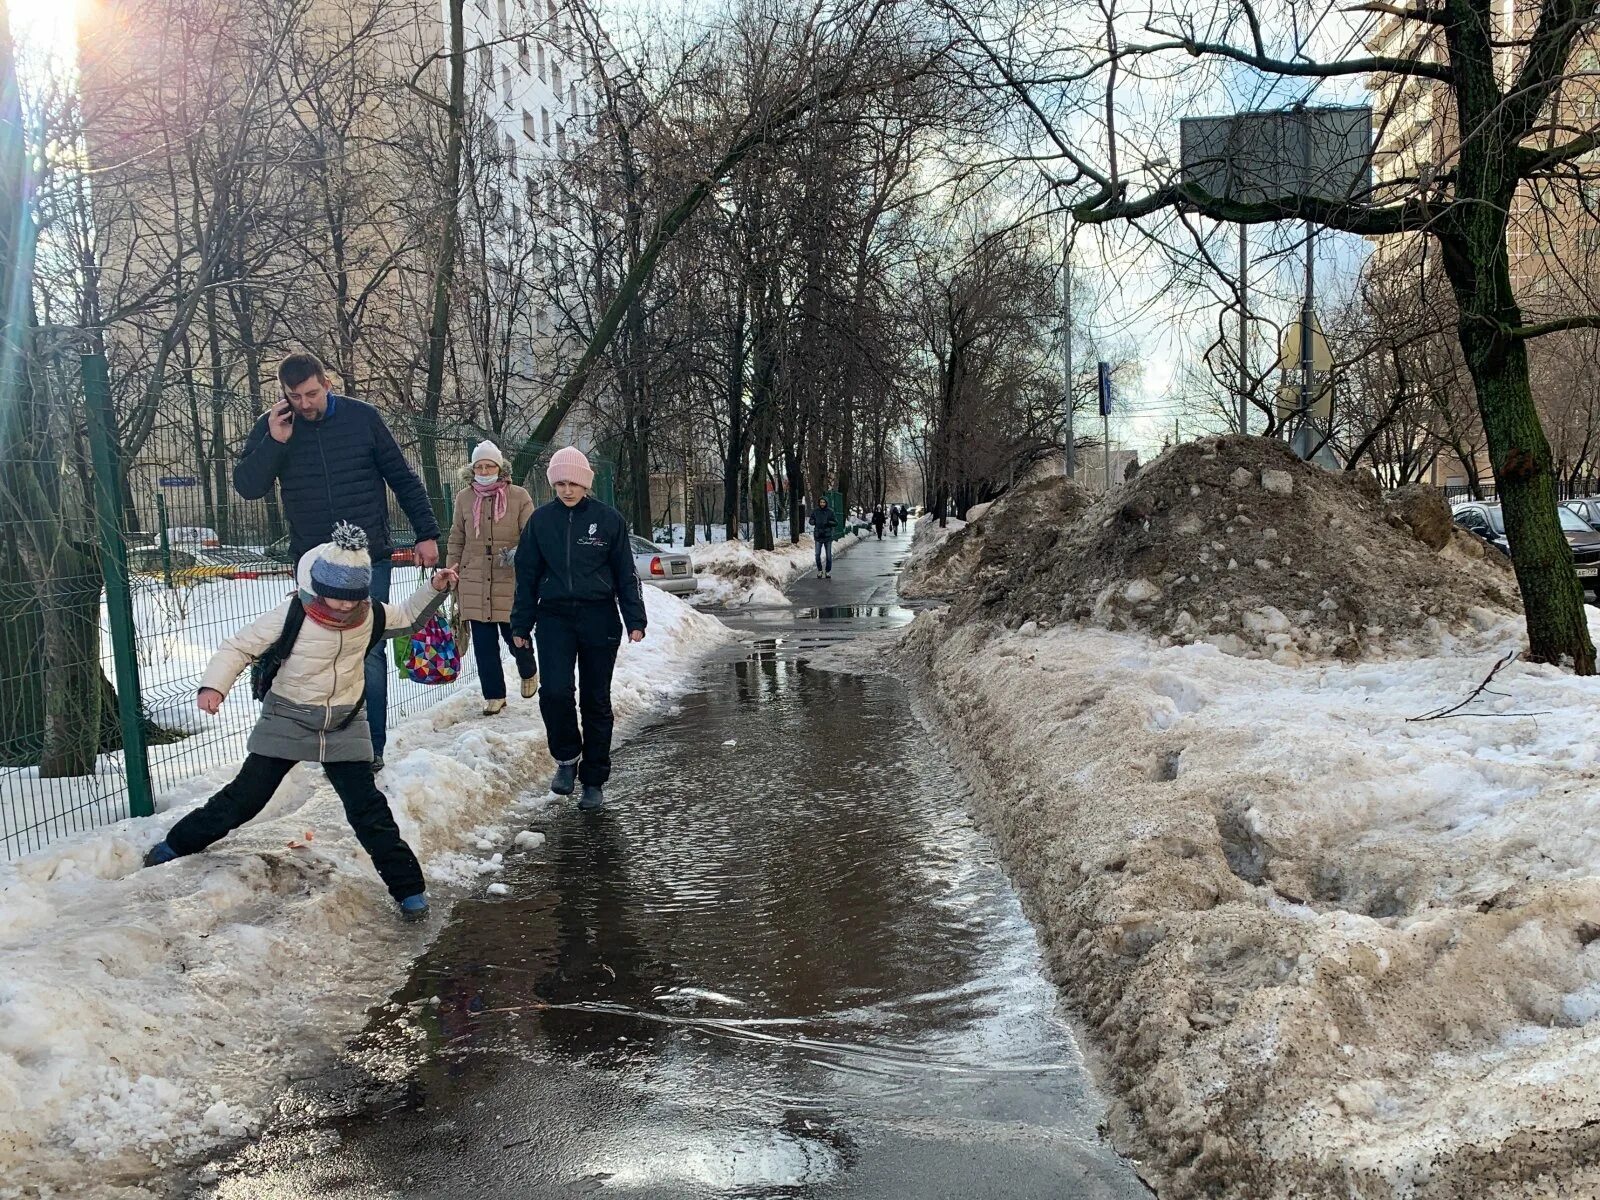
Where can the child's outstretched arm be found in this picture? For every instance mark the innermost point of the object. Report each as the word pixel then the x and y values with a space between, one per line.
pixel 237 651
pixel 412 613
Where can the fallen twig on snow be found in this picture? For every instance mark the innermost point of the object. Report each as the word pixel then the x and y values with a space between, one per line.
pixel 1481 689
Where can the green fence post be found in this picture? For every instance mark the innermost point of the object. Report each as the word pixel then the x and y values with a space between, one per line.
pixel 166 542
pixel 119 598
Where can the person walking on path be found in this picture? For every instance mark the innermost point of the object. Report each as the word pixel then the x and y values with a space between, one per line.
pixel 878 520
pixel 311 649
pixel 331 458
pixel 491 513
pixel 574 572
pixel 824 524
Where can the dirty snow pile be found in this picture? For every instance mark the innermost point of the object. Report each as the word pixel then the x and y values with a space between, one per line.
pixel 737 575
pixel 145 1014
pixel 1325 949
pixel 1032 512
pixel 929 568
pixel 1236 543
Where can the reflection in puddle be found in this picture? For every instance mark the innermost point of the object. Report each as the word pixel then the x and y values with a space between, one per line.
pixel 737 1159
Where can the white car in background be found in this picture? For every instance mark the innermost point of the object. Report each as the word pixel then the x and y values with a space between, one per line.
pixel 669 570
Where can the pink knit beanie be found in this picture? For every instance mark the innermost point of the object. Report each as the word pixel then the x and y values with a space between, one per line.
pixel 570 466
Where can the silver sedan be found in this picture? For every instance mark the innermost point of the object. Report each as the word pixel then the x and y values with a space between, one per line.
pixel 669 570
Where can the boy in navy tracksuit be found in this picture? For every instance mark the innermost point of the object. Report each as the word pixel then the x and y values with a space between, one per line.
pixel 574 572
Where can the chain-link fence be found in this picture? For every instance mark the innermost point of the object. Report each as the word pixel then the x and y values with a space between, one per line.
pixel 176 562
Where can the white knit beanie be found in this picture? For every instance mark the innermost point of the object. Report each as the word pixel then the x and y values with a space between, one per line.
pixel 487 449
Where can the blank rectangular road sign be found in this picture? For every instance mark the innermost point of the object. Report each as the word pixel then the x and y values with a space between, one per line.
pixel 1254 157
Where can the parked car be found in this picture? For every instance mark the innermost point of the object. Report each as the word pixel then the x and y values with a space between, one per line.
pixel 669 570
pixel 1587 507
pixel 1488 522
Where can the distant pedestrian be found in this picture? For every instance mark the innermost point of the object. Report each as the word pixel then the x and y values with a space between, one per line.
pixel 574 572
pixel 311 693
pixel 333 457
pixel 878 519
pixel 491 513
pixel 824 525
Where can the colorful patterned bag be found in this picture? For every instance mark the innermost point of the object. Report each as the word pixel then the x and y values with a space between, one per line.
pixel 434 656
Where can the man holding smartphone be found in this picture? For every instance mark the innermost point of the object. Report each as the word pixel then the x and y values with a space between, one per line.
pixel 333 459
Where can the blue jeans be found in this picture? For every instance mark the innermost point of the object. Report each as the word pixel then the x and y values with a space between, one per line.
pixel 379 664
pixel 825 544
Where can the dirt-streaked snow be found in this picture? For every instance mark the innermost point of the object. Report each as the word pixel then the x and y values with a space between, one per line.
pixel 1326 950
pixel 147 1013
pixel 735 574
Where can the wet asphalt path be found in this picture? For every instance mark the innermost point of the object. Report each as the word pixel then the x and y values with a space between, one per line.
pixel 785 967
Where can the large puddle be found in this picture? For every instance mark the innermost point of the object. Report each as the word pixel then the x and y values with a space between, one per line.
pixel 781 963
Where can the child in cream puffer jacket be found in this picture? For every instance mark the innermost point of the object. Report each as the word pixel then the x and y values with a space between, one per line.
pixel 310 713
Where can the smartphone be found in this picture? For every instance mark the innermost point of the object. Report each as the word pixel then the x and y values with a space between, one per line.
pixel 285 409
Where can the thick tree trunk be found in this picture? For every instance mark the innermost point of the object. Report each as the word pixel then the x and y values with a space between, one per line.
pixel 1552 597
pixel 70 664
pixel 445 265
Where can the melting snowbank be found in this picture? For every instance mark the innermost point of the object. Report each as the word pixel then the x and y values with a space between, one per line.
pixel 1326 950
pixel 736 575
pixel 146 1014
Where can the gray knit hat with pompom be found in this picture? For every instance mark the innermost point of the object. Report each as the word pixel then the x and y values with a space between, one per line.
pixel 341 569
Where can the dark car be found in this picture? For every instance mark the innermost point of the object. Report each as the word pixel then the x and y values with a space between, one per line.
pixel 1488 522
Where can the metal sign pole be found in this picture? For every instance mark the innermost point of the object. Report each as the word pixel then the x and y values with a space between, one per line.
pixel 1302 433
pixel 1244 327
pixel 1066 340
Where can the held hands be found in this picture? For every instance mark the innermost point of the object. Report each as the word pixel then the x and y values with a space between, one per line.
pixel 444 579
pixel 636 635
pixel 521 643
pixel 428 552
pixel 209 700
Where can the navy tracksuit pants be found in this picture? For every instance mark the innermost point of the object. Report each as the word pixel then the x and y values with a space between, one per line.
pixel 581 639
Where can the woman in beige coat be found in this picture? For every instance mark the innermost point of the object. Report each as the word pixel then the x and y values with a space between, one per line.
pixel 490 514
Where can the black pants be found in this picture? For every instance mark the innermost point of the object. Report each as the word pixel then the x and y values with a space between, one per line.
pixel 486 639
pixel 585 636
pixel 365 807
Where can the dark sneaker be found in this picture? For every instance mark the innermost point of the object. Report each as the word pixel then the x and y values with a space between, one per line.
pixel 160 853
pixel 593 798
pixel 414 908
pixel 565 779
pixel 377 764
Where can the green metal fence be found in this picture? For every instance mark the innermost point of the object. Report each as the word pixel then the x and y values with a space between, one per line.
pixel 118 579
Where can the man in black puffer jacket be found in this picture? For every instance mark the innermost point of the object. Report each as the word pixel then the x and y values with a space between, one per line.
pixel 333 459
pixel 574 571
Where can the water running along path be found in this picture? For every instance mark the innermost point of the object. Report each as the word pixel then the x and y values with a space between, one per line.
pixel 781 963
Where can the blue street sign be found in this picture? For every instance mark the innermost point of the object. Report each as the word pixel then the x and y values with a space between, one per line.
pixel 177 481
pixel 1105 389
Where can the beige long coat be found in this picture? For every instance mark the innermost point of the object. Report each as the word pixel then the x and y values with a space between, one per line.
pixel 488 572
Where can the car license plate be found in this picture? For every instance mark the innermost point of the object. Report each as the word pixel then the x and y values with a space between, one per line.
pixel 1585 572
pixel 680 569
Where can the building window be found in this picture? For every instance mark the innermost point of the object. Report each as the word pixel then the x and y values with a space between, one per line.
pixel 486 65
pixel 505 25
pixel 544 120
pixel 561 139
pixel 524 59
pixel 529 129
pixel 572 97
pixel 555 79
pixel 541 62
pixel 505 84
pixel 511 156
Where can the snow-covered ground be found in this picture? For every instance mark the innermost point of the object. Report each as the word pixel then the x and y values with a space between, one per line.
pixel 1327 948
pixel 147 1013
pixel 735 574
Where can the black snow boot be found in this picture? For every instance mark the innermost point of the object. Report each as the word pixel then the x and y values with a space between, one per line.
pixel 565 779
pixel 593 798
